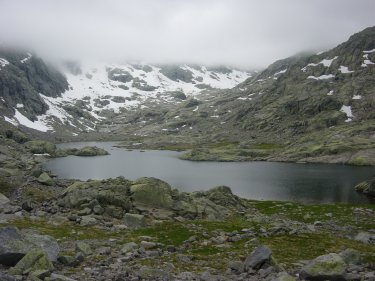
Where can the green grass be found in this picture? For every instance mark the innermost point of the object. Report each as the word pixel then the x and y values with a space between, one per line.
pixel 173 233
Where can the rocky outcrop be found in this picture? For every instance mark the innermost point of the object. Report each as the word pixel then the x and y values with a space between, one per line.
pixel 260 257
pixel 34 261
pixel 14 245
pixel 326 267
pixel 366 187
pixel 149 196
pixel 23 79
pixel 85 151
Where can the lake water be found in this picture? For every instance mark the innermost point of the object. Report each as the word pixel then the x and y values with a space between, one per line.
pixel 253 180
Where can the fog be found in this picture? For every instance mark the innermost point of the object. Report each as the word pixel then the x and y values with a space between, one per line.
pixel 243 33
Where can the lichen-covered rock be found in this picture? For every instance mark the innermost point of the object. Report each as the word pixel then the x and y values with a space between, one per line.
pixel 365 237
pixel 223 196
pixel 3 200
pixel 34 260
pixel 91 151
pixel 148 273
pixel 326 267
pixel 84 248
pixel 111 192
pixel 88 221
pixel 13 246
pixel 351 256
pixel 129 247
pixel 134 220
pixel 40 147
pixel 45 179
pixel 152 192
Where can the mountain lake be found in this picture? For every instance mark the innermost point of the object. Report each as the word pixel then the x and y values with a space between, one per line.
pixel 322 183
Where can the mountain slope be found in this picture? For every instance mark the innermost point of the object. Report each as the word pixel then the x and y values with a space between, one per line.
pixel 87 95
pixel 305 108
pixel 22 78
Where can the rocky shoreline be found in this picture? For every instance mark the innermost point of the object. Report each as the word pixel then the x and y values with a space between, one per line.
pixel 117 229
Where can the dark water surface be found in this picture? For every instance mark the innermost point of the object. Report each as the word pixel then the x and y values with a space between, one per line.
pixel 254 180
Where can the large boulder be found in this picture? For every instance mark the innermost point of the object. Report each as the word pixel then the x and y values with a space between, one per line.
pixel 111 192
pixel 3 200
pixel 258 258
pixel 134 220
pixel 326 267
pixel 45 179
pixel 14 245
pixel 34 260
pixel 198 206
pixel 152 192
pixel 91 151
pixel 223 196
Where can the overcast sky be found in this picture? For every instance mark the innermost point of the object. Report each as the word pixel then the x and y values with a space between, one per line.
pixel 243 33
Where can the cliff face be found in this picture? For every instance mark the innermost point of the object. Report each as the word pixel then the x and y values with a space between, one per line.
pixel 23 77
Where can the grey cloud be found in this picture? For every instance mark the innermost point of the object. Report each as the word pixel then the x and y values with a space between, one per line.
pixel 238 32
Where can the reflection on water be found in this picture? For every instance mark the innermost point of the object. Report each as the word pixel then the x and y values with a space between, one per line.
pixel 254 180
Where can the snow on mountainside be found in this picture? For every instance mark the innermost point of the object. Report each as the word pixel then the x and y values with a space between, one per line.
pixel 97 91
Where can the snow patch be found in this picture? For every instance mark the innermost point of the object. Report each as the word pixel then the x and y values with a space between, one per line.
pixel 330 93
pixel 357 97
pixel 348 111
pixel 3 62
pixel 322 77
pixel 369 51
pixel 11 121
pixel 195 109
pixel 280 72
pixel 345 69
pixel 37 125
pixel 19 105
pixel 366 61
pixel 325 62
pixel 27 58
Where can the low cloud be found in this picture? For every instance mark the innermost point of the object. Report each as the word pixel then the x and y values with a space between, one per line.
pixel 242 33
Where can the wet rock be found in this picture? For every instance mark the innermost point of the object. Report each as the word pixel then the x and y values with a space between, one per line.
pixel 34 260
pixel 258 258
pixel 326 267
pixel 45 179
pixel 134 220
